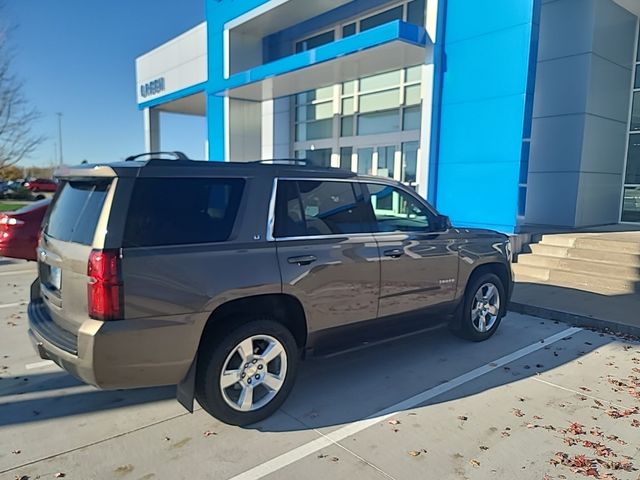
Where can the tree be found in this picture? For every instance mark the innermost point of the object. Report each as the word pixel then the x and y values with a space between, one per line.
pixel 17 117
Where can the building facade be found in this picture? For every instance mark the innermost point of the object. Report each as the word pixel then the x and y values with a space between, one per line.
pixel 505 114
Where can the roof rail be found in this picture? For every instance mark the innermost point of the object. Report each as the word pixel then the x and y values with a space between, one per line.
pixel 175 155
pixel 283 161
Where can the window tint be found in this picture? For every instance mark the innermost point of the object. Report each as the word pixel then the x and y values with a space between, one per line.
pixel 76 211
pixel 306 208
pixel 315 41
pixel 179 211
pixel 381 18
pixel 396 210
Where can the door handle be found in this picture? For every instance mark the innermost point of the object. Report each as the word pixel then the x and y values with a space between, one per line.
pixel 394 253
pixel 302 260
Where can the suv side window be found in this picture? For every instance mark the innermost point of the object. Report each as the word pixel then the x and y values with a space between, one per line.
pixel 310 207
pixel 397 211
pixel 182 211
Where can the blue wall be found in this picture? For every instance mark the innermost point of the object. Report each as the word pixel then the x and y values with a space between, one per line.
pixel 487 93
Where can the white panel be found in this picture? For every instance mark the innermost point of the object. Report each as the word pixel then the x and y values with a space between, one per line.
pixel 556 143
pixel 599 199
pixel 245 131
pixel 566 28
pixel 604 145
pixel 561 86
pixel 181 62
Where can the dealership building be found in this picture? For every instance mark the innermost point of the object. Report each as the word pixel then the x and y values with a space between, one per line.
pixel 507 114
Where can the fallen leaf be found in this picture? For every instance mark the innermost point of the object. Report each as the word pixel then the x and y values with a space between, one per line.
pixel 209 433
pixel 322 455
pixel 585 389
pixel 474 462
pixel 530 425
pixel 537 417
pixel 167 439
pixel 635 423
pixel 335 459
pixel 463 418
pixel 16 452
pixel 576 428
pixel 505 434
pixel 518 413
pixel 414 453
pixel 60 475
pixel 598 403
pixel 484 447
pixel 21 477
pixel 394 422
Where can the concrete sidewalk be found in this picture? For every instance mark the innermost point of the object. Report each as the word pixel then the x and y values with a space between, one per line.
pixel 618 313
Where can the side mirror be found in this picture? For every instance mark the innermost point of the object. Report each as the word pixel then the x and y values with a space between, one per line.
pixel 442 223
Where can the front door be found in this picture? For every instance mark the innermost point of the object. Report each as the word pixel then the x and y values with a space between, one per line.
pixel 327 259
pixel 419 266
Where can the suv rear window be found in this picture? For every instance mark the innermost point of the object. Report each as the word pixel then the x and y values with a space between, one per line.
pixel 181 211
pixel 76 210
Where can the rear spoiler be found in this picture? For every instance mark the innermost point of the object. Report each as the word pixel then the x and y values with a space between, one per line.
pixel 85 171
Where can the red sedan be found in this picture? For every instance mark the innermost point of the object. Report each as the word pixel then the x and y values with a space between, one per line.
pixel 41 185
pixel 19 230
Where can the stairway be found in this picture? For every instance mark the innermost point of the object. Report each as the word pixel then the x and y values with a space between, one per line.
pixel 603 263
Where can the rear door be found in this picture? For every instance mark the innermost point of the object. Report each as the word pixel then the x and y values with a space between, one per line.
pixel 419 265
pixel 328 257
pixel 70 231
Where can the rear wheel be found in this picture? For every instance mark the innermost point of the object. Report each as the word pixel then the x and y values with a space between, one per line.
pixel 245 376
pixel 483 309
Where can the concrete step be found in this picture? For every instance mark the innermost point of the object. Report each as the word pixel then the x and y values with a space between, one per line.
pixel 581 266
pixel 628 259
pixel 573 280
pixel 598 242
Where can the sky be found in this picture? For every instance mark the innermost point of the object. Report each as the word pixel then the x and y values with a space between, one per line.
pixel 77 57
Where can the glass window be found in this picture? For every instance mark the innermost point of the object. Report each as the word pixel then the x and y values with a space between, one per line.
pixel 379 122
pixel 522 201
pixel 365 161
pixel 412 117
pixel 324 93
pixel 349 30
pixel 396 210
pixel 318 111
pixel 637 80
pixel 414 74
pixel 382 18
pixel 380 101
pixel 345 157
pixel 75 212
pixel 307 208
pixel 315 41
pixel 409 161
pixel 320 157
pixel 379 82
pixel 348 87
pixel 635 112
pixel 314 130
pixel 386 161
pixel 633 160
pixel 199 210
pixel 412 95
pixel 346 127
pixel 415 12
pixel 631 205
pixel 348 106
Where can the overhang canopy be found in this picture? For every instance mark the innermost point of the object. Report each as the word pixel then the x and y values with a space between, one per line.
pixel 388 47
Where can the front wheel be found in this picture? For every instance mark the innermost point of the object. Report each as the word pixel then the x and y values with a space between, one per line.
pixel 483 308
pixel 245 376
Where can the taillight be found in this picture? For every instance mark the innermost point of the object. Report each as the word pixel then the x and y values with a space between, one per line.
pixel 105 285
pixel 6 220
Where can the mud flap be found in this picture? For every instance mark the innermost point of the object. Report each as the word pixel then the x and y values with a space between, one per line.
pixel 186 388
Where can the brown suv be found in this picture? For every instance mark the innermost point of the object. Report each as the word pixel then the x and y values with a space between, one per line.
pixel 219 277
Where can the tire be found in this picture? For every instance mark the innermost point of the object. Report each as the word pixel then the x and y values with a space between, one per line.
pixel 470 323
pixel 264 374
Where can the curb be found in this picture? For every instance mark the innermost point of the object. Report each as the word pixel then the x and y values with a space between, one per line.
pixel 574 319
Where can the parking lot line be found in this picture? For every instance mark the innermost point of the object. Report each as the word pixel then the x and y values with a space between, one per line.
pixel 324 441
pixel 18 272
pixel 42 364
pixel 11 305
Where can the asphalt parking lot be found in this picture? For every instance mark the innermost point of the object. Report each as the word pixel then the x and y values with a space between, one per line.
pixel 540 400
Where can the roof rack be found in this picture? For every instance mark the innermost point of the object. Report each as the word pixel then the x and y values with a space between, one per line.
pixel 283 161
pixel 175 155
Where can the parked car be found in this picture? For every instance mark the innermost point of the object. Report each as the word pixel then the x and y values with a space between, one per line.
pixel 223 286
pixel 19 230
pixel 41 185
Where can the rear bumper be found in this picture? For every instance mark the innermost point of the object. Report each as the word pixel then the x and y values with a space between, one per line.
pixel 118 354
